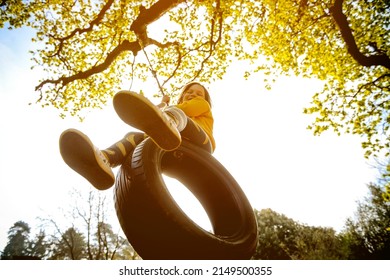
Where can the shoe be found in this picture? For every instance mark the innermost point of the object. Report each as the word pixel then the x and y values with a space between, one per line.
pixel 83 157
pixel 138 112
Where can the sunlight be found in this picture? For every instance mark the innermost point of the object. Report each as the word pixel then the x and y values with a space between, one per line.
pixel 188 203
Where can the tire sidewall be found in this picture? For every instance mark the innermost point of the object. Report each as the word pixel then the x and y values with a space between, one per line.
pixel 155 224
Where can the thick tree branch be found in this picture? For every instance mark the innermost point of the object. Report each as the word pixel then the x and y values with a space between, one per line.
pixel 147 16
pixel 139 27
pixel 126 45
pixel 346 33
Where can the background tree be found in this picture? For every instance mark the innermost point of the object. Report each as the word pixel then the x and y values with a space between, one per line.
pixel 367 232
pixel 319 243
pixel 101 241
pixel 70 246
pixel 111 245
pixel 283 238
pixel 20 246
pixel 90 235
pixel 353 237
pixel 87 48
pixel 39 247
pixel 383 167
pixel 18 241
pixel 276 236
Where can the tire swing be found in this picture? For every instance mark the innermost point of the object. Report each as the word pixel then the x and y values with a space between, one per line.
pixel 156 226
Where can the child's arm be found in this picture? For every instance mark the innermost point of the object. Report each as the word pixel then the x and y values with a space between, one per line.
pixel 164 102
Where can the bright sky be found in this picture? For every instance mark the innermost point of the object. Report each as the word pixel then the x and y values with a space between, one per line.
pixel 261 139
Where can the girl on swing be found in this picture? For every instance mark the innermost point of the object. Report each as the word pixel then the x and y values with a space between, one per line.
pixel 190 119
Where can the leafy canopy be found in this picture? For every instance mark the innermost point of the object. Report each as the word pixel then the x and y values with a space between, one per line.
pixel 87 48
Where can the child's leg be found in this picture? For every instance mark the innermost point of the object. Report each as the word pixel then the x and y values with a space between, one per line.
pixel 82 156
pixel 189 129
pixel 138 112
pixel 119 151
pixel 195 134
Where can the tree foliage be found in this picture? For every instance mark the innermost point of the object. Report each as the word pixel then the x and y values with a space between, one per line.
pixel 71 246
pixel 384 180
pixel 367 233
pixel 20 246
pixel 364 236
pixel 88 48
pixel 345 44
pixel 281 238
pixel 17 240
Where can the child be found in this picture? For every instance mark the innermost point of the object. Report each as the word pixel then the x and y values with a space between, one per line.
pixel 190 119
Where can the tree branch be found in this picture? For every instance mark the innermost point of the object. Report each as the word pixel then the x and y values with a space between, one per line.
pixel 94 22
pixel 126 45
pixel 346 32
pixel 147 16
pixel 139 27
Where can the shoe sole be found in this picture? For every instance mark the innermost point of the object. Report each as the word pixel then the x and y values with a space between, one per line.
pixel 138 112
pixel 79 154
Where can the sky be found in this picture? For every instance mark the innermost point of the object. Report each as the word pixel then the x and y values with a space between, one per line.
pixel 261 139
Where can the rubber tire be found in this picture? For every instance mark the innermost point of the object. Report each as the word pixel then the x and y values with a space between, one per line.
pixel 156 226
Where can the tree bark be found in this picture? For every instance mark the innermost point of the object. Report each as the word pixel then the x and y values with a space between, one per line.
pixel 346 32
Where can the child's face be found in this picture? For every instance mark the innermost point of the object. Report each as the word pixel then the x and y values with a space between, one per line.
pixel 194 91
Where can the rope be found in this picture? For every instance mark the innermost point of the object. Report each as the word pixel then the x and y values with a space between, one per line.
pixel 154 73
pixel 132 73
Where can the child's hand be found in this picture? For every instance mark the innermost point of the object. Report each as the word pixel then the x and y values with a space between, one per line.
pixel 166 99
pixel 164 102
